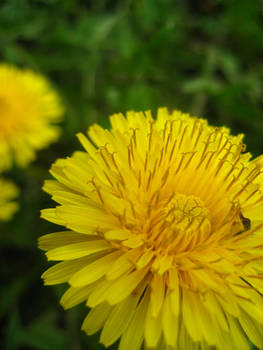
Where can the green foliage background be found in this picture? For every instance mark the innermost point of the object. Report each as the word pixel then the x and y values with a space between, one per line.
pixel 200 56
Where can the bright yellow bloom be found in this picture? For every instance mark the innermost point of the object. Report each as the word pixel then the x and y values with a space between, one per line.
pixel 28 107
pixel 165 234
pixel 8 192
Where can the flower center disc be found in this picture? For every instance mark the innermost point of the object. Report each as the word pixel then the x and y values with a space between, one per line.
pixel 186 223
pixel 188 213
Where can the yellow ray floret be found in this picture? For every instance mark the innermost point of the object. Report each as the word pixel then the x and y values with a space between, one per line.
pixel 8 192
pixel 28 109
pixel 164 234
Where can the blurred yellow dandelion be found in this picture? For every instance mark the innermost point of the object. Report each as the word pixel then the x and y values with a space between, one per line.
pixel 164 234
pixel 28 107
pixel 8 192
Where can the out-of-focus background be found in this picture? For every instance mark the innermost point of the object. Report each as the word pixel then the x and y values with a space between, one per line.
pixel 200 56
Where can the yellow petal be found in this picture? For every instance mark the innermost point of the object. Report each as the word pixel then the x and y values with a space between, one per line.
pixel 174 294
pixel 237 334
pixel 62 271
pixel 118 320
pixel 58 239
pixel 173 279
pixel 133 336
pixel 254 310
pixel 210 279
pixel 153 329
pixel 229 303
pixel 134 242
pixel 94 271
pixel 145 259
pixel 157 294
pixel 77 250
pixel 118 122
pixel 119 267
pixel 51 215
pixel 185 342
pixel 87 217
pixel 190 322
pixel 253 330
pixel 75 296
pixel 50 186
pixel 99 294
pixel 118 235
pixel 253 212
pixel 92 151
pixel 216 310
pixel 206 326
pixel 170 323
pixel 70 198
pixel 96 318
pixel 124 286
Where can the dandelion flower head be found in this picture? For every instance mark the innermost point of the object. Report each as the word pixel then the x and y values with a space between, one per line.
pixel 163 236
pixel 8 192
pixel 28 109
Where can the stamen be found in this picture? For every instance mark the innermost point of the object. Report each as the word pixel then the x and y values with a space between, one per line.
pixel 149 181
pixel 161 157
pixel 165 177
pixel 194 127
pixel 252 194
pixel 190 158
pixel 165 129
pixel 183 154
pixel 200 131
pixel 167 142
pixel 139 179
pixel 103 157
pixel 129 157
pixel 108 178
pixel 172 150
pixel 146 161
pixel 97 190
pixel 150 136
pixel 183 134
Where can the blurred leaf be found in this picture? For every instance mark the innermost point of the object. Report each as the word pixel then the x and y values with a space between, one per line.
pixel 140 97
pixel 43 335
pixel 12 332
pixel 10 293
pixel 230 66
pixel 210 86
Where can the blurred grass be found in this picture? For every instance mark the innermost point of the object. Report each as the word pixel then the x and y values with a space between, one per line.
pixel 200 56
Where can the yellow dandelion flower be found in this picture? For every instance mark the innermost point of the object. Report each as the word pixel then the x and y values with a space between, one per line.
pixel 8 192
pixel 164 234
pixel 28 107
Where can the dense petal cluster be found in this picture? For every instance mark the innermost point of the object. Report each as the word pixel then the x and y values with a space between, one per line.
pixel 28 107
pixel 8 192
pixel 164 234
